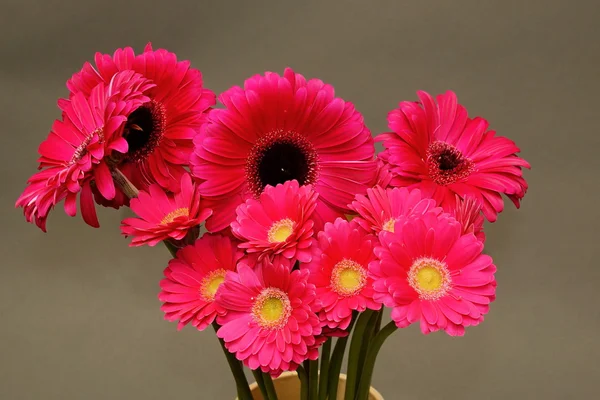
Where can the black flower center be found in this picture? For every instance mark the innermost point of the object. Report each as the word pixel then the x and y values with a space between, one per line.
pixel 448 160
pixel 446 164
pixel 144 130
pixel 283 162
pixel 279 157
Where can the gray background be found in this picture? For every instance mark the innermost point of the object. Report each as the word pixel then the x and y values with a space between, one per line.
pixel 78 308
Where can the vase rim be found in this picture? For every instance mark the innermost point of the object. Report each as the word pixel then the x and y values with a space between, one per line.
pixel 288 374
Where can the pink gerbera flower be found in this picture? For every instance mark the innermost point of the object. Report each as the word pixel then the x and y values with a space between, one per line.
pixel 381 208
pixel 269 322
pixel 429 272
pixel 192 279
pixel 74 156
pixel 468 213
pixel 165 216
pixel 384 175
pixel 438 149
pixel 281 128
pixel 159 133
pixel 278 223
pixel 340 273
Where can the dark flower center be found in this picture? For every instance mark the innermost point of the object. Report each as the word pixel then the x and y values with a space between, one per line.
pixel 144 130
pixel 279 157
pixel 448 160
pixel 282 162
pixel 446 164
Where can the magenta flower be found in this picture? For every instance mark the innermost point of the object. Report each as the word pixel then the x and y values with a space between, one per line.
pixel 429 272
pixel 75 154
pixel 158 134
pixel 468 213
pixel 269 322
pixel 438 149
pixel 278 223
pixel 280 128
pixel 340 273
pixel 165 216
pixel 192 279
pixel 381 208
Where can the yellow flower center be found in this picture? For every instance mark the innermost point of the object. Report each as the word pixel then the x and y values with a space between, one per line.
pixel 348 278
pixel 430 278
pixel 389 225
pixel 272 308
pixel 281 230
pixel 210 284
pixel 170 217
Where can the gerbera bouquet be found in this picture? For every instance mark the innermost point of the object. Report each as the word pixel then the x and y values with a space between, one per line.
pixel 289 235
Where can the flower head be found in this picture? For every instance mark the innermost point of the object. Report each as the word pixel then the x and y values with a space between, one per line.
pixel 192 279
pixel 468 212
pixel 438 149
pixel 277 129
pixel 165 216
pixel 269 322
pixel 428 271
pixel 74 157
pixel 278 223
pixel 158 134
pixel 381 208
pixel 384 175
pixel 340 272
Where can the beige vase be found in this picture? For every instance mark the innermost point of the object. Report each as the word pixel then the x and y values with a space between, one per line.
pixel 287 386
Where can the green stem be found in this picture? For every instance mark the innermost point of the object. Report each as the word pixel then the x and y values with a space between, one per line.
pixel 335 365
pixel 323 379
pixel 271 393
pixel 313 378
pixel 260 382
pixel 307 366
pixel 378 322
pixel 303 383
pixel 376 343
pixel 243 390
pixel 354 354
pixel 171 247
pixel 370 331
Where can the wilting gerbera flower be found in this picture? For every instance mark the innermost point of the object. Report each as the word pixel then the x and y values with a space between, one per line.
pixel 340 273
pixel 192 279
pixel 159 133
pixel 269 322
pixel 278 223
pixel 165 216
pixel 438 149
pixel 468 213
pixel 381 208
pixel 429 272
pixel 74 156
pixel 280 128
